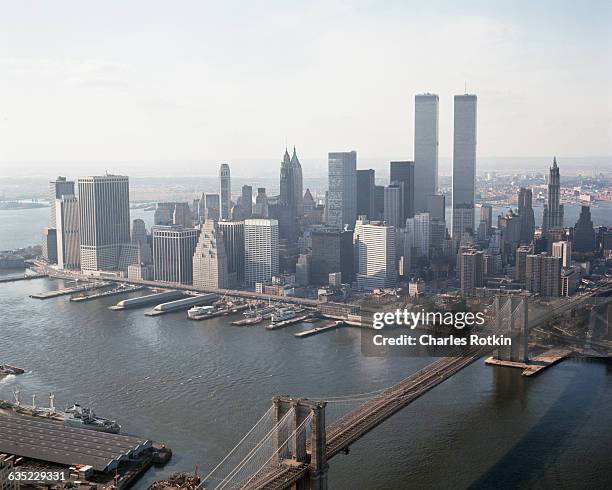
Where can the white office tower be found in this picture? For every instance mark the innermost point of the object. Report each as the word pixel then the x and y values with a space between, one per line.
pixel 67 220
pixel 225 191
pixel 563 250
pixel 104 203
pixel 233 238
pixel 377 259
pixel 393 203
pixel 173 249
pixel 260 250
pixel 210 259
pixel 464 165
pixel 425 150
pixel 342 189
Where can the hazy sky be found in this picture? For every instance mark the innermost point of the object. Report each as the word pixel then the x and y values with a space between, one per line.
pixel 150 81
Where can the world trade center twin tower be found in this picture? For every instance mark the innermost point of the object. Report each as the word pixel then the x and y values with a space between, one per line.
pixel 426 142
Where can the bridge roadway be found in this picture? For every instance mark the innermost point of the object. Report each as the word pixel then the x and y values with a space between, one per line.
pixel 352 426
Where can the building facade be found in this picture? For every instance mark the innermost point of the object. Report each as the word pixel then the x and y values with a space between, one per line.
pixel 104 203
pixel 376 250
pixel 68 221
pixel 233 239
pixel 210 264
pixel 260 250
pixel 225 191
pixel 173 250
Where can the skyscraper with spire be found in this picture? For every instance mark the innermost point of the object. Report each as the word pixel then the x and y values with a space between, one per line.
pixel 553 210
pixel 290 208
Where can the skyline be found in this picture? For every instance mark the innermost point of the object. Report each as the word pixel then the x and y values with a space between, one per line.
pixel 137 90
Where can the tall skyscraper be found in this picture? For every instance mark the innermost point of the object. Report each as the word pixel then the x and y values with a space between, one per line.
pixel 437 207
pixel 233 238
pixel 290 199
pixel 464 165
pixel 486 215
pixel 425 149
pixel 210 264
pixel 225 191
pixel 393 205
pixel 173 249
pixel 104 203
pixel 247 201
pixel 403 172
pixel 342 189
pixel 418 235
pixel 552 217
pixel 378 203
pixel 520 263
pixel 260 250
pixel 584 234
pixel 365 192
pixel 376 251
pixel 67 218
pixel 59 188
pixel 526 215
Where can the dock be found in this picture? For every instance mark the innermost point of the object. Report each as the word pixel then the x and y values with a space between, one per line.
pixel 222 312
pixel 112 292
pixel 23 277
pixel 182 304
pixel 290 321
pixel 66 291
pixel 535 364
pixel 316 330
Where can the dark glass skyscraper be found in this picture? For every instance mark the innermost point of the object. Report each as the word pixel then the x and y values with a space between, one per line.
pixel 365 192
pixel 525 209
pixel 584 234
pixel 403 172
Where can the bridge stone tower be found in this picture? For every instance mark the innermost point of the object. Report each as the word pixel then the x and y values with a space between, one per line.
pixel 299 450
pixel 511 319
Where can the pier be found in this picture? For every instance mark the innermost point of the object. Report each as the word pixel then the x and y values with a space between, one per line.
pixel 181 304
pixel 104 294
pixel 221 312
pixel 316 330
pixel 23 277
pixel 290 321
pixel 66 291
pixel 535 364
pixel 149 299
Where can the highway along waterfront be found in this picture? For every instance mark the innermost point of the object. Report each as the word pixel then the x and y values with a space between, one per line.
pixel 199 386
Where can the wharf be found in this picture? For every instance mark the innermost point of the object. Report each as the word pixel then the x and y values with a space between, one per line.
pixel 24 277
pixel 291 321
pixel 222 312
pixel 112 292
pixel 535 364
pixel 316 330
pixel 182 304
pixel 66 291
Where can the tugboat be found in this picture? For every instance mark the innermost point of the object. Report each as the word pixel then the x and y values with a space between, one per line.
pixel 85 418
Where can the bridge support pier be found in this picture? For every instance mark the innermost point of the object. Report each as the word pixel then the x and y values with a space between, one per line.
pixel 295 450
pixel 511 319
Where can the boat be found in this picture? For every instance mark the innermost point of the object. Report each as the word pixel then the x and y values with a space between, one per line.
pixel 85 418
pixel 200 311
pixel 283 314
pixel 7 370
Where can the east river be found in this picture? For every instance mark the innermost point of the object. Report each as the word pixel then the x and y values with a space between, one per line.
pixel 199 386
